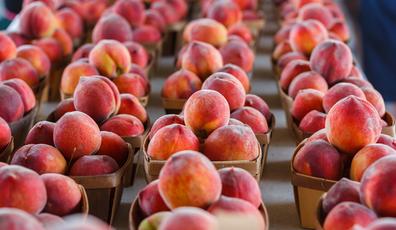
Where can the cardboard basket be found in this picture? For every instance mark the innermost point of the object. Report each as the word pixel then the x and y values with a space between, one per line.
pixel 104 191
pixel 39 90
pixel 320 215
pixel 149 66
pixel 390 128
pixel 264 140
pixel 255 26
pixel 156 49
pixel 136 215
pixel 6 154
pixel 173 39
pixel 55 78
pixel 21 127
pixel 84 201
pixel 173 106
pixel 307 192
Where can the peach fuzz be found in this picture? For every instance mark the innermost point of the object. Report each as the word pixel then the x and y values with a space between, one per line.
pixel 74 144
pixel 146 35
pixel 238 73
pixel 170 140
pixel 132 83
pixel 71 22
pixel 351 124
pixel 205 111
pixel 154 221
pixel 131 10
pixel 82 52
pixel 47 219
pixel 112 26
pixel 181 85
pixel 110 57
pixel 63 107
pixel 202 59
pixel 239 183
pixel 37 21
pixel 281 49
pixel 124 125
pixel 332 59
pixel 242 31
pixel 8 50
pixel 139 54
pixel 291 71
pixel 198 30
pixel 196 218
pixel 97 97
pixel 73 72
pixel 9 96
pixel 150 200
pixel 232 142
pixel 312 122
pixel 317 12
pixel 15 219
pixel 37 58
pixel 51 47
pixel 340 91
pixel 226 12
pixel 63 193
pixel 23 89
pixel 251 117
pixel 319 159
pixel 131 105
pixel 19 68
pixel 188 178
pixel 387 140
pixel 163 121
pixel 375 98
pixel 22 188
pixel 258 103
pixel 306 35
pixel 93 165
pixel 306 101
pixel 41 133
pixel 237 52
pixel 343 190
pixel 5 134
pixel 340 28
pixel 288 57
pixel 307 80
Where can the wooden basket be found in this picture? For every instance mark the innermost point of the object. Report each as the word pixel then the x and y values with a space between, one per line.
pixel 6 154
pixel 104 191
pixel 136 215
pixel 21 128
pixel 173 106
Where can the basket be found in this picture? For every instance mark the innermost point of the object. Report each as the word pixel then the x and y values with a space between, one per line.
pixel 6 154
pixel 21 128
pixel 173 106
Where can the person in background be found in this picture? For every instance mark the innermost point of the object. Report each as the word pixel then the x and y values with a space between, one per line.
pixel 10 8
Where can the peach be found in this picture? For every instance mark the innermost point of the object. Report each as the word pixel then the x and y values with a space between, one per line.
pixel 63 194
pixel 241 30
pixel 150 200
pixel 307 80
pixel 132 83
pixel 168 13
pixel 382 224
pixel 343 190
pixel 41 133
pixel 319 159
pixel 237 206
pixel 288 57
pixel 23 89
pixel 19 68
pixel 82 52
pixel 387 140
pixel 258 103
pixel 146 34
pixel 52 4
pixel 5 134
pixel 18 38
pixel 37 21
pixel 8 50
pixel 63 107
pixel 375 98
pixel 196 218
pixel 64 40
pixel 282 34
pixel 47 219
pixel 15 219
pixel 72 73
pixel 356 72
pixel 349 214
pixel 71 22
pixel 89 10
pixel 81 221
pixel 124 125
pixel 232 142
pixel 93 165
pixel 247 5
pixel 251 117
pixel 112 26
pixel 205 111
pixel 319 135
pixel 155 19
pixel 229 86
pixel 41 158
pixel 281 49
pixel 238 53
pixel 181 85
pixel 114 146
pixel 227 13
pixel 239 183
pixel 332 59
pixel 234 121
pixel 131 105
pixel 51 47
pixel 154 221
pixel 11 104
pixel 74 144
pixel 340 28
pixel 131 10
pixel 352 123
pixel 312 122
pixel 317 12
pixel 37 58
pixel 291 71
pixel 22 188
pixel 300 3
pixel 138 53
pixel 138 70
pixel 202 59
pixel 306 35
pixel 199 29
pixel 340 91
pixel 188 178
pixel 180 7
pixel 163 121
pixel 170 140
pixel 366 157
pixel 361 83
pixel 238 73
pixel 306 101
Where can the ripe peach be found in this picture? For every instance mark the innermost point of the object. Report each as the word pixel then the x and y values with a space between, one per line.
pixel 169 14
pixel 146 34
pixel 63 193
pixel 258 103
pixel 155 19
pixel 163 121
pixel 19 68
pixel 11 104
pixel 239 183
pixel 199 29
pixel 181 85
pixel 8 47
pixel 251 117
pixel 71 22
pixel 131 10
pixel 343 190
pixel 74 144
pixel 63 107
pixel 332 59
pixel 306 100
pixel 237 72
pixel 112 26
pixel 306 35
pixel 138 53
pixel 72 73
pixel 22 188
pixel 18 38
pixel 131 105
pixel 317 12
pixel 246 5
pixel 5 134
pixel 52 4
pixel 356 72
pixel 352 123
pixel 312 122
pixel 180 7
pixel 361 83
pixel 387 140
pixel 340 91
pixel 319 135
pixel 37 58
pixel 82 52
pixel 382 224
pixel 231 142
pixel 202 59
pixel 47 219
pixel 154 221
pixel 150 200
pixel 37 21
pixel 340 28
pixel 281 49
pixel 64 40
pixel 89 10
pixel 81 221
pixel 15 219
pixel 319 159
pixel 114 146
pixel 138 70
pixel 41 133
pixel 307 80
pixel 291 71
pixel 226 12
pixel 237 52
pixel 132 83
pixel 205 111
pixel 124 125
pixel 93 165
pixel 196 218
pixel 241 30
pixel 288 57
pixel 23 89
pixel 234 121
pixel 282 34
pixel 188 178
pixel 300 3
pixel 375 98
